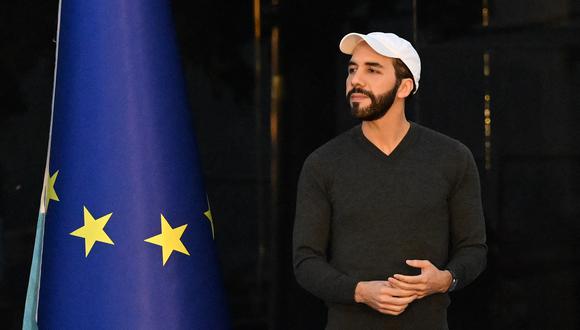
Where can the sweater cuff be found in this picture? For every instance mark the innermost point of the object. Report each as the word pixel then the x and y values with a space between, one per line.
pixel 347 290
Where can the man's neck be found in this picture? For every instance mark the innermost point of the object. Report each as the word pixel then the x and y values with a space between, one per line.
pixel 388 131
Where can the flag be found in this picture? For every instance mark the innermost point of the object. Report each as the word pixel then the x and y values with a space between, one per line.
pixel 125 234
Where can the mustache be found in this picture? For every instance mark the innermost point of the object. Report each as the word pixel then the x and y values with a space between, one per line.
pixel 360 91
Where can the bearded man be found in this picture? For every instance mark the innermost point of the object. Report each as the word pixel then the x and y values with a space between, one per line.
pixel 388 214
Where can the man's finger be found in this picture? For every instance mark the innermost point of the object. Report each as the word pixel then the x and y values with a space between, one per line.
pixel 402 285
pixel 398 301
pixel 409 279
pixel 388 312
pixel 419 263
pixel 398 292
pixel 392 310
pixel 409 289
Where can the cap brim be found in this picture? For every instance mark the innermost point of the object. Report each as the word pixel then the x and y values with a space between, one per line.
pixel 351 40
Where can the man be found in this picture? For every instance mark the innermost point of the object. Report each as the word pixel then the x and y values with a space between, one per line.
pixel 388 214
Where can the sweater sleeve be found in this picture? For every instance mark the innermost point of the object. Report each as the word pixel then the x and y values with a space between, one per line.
pixel 310 240
pixel 468 247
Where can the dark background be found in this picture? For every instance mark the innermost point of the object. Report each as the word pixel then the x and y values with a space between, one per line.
pixel 266 84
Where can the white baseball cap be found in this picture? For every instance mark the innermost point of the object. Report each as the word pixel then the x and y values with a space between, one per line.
pixel 386 44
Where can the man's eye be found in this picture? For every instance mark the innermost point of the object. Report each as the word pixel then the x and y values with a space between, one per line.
pixel 371 70
pixel 351 70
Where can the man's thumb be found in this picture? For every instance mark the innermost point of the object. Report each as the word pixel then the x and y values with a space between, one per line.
pixel 418 263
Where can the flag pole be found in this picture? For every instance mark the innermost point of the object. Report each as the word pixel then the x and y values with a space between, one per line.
pixel 30 317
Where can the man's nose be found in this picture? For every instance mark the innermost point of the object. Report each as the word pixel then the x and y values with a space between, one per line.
pixel 356 79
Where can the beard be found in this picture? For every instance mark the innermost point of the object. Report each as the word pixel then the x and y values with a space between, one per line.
pixel 379 106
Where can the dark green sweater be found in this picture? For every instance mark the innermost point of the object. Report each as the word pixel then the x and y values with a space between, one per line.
pixel 360 214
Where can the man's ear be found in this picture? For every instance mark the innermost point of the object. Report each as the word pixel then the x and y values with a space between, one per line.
pixel 405 88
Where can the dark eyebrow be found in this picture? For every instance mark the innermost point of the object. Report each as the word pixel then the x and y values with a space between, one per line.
pixel 371 64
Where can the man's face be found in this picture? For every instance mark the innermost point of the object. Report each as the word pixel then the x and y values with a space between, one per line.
pixel 371 85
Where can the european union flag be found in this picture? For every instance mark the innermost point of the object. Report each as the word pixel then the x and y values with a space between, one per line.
pixel 128 232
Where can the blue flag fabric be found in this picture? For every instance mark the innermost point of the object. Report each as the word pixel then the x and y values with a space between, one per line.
pixel 128 241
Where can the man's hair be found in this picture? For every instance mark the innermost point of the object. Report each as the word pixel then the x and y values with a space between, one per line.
pixel 403 72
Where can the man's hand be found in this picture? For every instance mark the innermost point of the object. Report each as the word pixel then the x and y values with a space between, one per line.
pixel 432 280
pixel 383 297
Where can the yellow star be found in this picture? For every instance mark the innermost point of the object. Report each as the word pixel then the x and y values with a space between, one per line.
pixel 169 239
pixel 208 215
pixel 93 230
pixel 51 193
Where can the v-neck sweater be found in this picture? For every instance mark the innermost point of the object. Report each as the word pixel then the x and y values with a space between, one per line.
pixel 361 213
